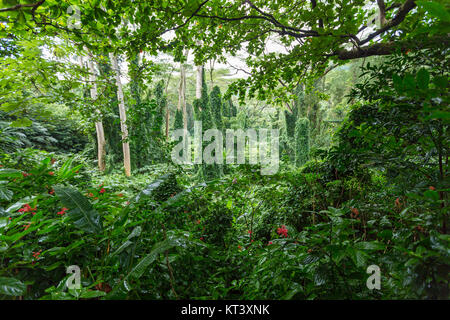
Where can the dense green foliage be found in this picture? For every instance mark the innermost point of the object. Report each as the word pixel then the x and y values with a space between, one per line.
pixel 364 149
pixel 301 139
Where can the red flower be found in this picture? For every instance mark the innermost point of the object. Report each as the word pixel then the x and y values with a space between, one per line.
pixel 270 242
pixel 26 174
pixel 51 173
pixel 62 212
pixel 36 254
pixel 90 194
pixel 282 231
pixel 27 208
pixel 201 238
pixel 51 191
pixel 102 190
pixel 432 188
pixel 239 247
pixel 249 231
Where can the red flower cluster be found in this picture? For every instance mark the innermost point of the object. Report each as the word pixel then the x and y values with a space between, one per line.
pixel 27 208
pixel 26 174
pixel 102 190
pixel 51 173
pixel 36 254
pixel 62 212
pixel 282 231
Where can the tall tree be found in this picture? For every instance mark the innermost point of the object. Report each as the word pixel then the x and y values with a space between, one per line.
pixel 101 152
pixel 123 117
pixel 182 94
pixel 198 87
pixel 216 107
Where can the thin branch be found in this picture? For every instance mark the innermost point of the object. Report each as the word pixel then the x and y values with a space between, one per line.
pixel 20 6
pixel 400 16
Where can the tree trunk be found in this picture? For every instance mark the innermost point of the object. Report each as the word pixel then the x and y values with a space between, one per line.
pixel 123 117
pixel 101 152
pixel 167 107
pixel 182 95
pixel 198 88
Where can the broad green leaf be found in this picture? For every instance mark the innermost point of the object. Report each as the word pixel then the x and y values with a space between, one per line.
pixel 81 212
pixel 5 193
pixel 11 287
pixel 10 173
pixel 124 245
pixel 157 249
pixel 92 294
pixel 435 9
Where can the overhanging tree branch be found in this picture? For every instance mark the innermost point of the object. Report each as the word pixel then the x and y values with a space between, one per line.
pixel 387 48
pixel 20 6
pixel 399 17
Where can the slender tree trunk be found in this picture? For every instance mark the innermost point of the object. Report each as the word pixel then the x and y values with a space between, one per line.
pixel 123 117
pixel 167 122
pixel 211 71
pixel 198 88
pixel 182 95
pixel 101 143
pixel 167 106
pixel 182 101
pixel 180 88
